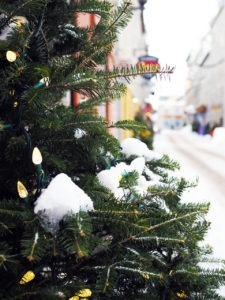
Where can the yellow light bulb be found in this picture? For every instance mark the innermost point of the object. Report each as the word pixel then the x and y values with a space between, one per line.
pixel 85 293
pixel 36 156
pixel 19 21
pixel 145 275
pixel 22 191
pixel 182 295
pixel 11 56
pixel 27 277
pixel 75 298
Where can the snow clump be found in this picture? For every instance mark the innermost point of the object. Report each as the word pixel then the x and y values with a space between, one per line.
pixel 110 178
pixel 79 133
pixel 132 146
pixel 62 197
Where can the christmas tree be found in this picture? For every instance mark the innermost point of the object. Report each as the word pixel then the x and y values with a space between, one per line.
pixel 83 216
pixel 146 135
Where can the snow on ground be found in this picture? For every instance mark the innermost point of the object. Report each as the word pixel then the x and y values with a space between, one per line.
pixel 201 157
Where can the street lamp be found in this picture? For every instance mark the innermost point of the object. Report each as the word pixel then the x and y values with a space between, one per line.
pixel 142 3
pixel 141 7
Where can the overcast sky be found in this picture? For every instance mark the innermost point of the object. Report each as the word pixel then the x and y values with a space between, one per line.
pixel 174 27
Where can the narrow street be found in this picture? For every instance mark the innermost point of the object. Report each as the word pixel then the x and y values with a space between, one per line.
pixel 197 160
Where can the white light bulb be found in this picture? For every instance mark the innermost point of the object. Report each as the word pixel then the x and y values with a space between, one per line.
pixel 36 156
pixel 45 81
pixel 11 56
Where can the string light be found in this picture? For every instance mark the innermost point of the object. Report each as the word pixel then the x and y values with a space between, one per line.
pixel 5 126
pixel 15 104
pixel 36 156
pixel 43 82
pixel 22 191
pixel 182 295
pixel 27 277
pixel 85 293
pixel 37 160
pixel 19 21
pixel 11 56
pixel 12 92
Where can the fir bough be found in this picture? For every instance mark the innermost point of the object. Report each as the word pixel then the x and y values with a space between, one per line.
pixel 142 243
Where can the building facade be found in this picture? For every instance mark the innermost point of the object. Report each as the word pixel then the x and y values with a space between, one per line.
pixel 205 84
pixel 130 46
pixel 129 49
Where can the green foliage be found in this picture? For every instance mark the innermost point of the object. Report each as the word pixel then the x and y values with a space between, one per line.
pixel 145 134
pixel 143 246
pixel 127 124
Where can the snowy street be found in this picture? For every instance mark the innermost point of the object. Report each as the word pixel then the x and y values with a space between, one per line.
pixel 200 158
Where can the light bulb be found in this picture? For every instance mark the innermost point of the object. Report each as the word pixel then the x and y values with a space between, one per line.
pixel 19 21
pixel 22 191
pixel 11 56
pixel 36 156
pixel 27 277
pixel 45 81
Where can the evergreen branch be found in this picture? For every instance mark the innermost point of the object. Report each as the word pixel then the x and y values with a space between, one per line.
pixel 6 258
pixel 97 80
pixel 102 76
pixel 160 261
pixel 133 251
pixel 106 280
pixel 33 97
pixel 100 8
pixel 118 17
pixel 5 227
pixel 203 211
pixel 26 294
pixel 92 102
pixel 3 259
pixel 165 162
pixel 144 274
pixel 19 8
pixel 31 221
pixel 212 260
pixel 103 42
pixel 207 273
pixel 45 40
pixel 133 71
pixel 96 49
pixel 156 232
pixel 154 194
pixel 127 124
pixel 134 212
pixel 147 228
pixel 162 224
pixel 86 122
pixel 69 86
pixel 11 212
pixel 158 239
pixel 125 223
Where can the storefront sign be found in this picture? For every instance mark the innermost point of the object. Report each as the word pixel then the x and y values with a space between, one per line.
pixel 150 62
